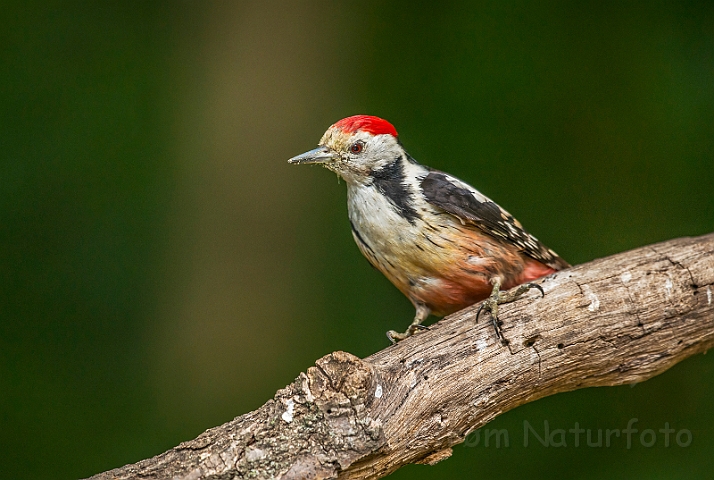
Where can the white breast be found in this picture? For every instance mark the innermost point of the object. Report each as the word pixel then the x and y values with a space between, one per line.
pixel 376 220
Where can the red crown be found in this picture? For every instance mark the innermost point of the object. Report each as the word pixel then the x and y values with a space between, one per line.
pixel 366 123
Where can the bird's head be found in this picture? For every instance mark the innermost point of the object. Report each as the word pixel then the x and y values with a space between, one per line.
pixel 355 147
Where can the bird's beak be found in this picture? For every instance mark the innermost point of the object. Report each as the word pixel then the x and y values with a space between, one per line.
pixel 318 155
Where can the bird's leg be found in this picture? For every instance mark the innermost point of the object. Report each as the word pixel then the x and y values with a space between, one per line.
pixel 422 312
pixel 498 298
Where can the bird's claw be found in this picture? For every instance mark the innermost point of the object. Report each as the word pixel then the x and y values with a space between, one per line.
pixel 537 287
pixel 499 297
pixel 491 306
pixel 481 308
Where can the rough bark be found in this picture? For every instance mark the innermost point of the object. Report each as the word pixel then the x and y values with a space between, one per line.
pixel 613 321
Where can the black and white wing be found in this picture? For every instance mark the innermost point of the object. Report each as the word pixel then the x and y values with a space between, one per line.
pixel 471 207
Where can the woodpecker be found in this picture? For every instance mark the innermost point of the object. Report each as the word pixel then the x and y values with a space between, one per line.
pixel 440 241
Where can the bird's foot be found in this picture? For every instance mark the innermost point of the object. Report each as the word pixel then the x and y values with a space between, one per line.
pixel 395 337
pixel 422 312
pixel 499 297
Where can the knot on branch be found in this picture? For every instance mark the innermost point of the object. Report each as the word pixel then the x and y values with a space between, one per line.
pixel 343 381
pixel 342 387
pixel 346 387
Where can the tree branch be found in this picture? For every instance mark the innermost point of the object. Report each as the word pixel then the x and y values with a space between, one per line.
pixel 617 320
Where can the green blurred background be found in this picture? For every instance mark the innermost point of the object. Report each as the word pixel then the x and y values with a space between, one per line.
pixel 163 269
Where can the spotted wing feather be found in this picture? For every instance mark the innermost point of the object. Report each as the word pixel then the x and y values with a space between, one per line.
pixel 471 207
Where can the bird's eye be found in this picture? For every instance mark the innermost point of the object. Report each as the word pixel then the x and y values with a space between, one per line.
pixel 357 147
